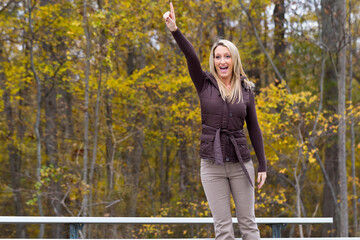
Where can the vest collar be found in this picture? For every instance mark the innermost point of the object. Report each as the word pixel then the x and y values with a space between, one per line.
pixel 212 79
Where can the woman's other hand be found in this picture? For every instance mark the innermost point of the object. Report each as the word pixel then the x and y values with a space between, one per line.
pixel 170 19
pixel 261 179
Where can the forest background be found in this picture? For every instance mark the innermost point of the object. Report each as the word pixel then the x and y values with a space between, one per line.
pixel 99 116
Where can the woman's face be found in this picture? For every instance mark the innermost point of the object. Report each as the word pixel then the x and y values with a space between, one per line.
pixel 223 62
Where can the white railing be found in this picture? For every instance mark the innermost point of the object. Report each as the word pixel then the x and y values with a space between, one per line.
pixel 76 223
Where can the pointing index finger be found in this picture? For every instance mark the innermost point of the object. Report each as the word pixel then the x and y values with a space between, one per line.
pixel 172 9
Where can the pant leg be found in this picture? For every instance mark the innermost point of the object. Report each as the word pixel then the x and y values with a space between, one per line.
pixel 244 198
pixel 217 190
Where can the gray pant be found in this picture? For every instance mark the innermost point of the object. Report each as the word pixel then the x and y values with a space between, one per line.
pixel 218 182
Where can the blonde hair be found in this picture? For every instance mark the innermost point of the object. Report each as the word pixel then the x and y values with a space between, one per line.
pixel 235 93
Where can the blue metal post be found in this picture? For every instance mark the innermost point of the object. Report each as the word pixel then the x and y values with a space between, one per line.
pixel 276 229
pixel 74 230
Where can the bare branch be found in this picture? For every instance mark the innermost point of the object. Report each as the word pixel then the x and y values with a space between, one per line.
pixel 7 5
pixel 280 77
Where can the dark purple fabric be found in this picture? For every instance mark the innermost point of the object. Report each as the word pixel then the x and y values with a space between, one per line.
pixel 223 116
pixel 217 148
pixel 218 152
pixel 232 139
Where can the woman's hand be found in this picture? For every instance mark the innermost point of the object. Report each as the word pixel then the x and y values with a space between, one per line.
pixel 170 19
pixel 261 179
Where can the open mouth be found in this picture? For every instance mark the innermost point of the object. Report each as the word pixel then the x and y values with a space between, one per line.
pixel 223 69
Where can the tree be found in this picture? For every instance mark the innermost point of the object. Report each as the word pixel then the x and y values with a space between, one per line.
pixel 138 113
pixel 352 131
pixel 13 143
pixel 341 79
pixel 85 203
pixel 279 36
pixel 38 112
pixel 333 22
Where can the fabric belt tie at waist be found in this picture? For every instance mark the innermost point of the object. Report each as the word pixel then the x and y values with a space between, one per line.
pixel 217 148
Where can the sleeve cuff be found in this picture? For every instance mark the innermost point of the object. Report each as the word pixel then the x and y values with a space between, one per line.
pixel 262 168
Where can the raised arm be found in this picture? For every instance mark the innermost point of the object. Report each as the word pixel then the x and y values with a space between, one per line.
pixel 196 73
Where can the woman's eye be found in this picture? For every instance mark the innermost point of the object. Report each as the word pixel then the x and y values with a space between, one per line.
pixel 228 56
pixel 217 57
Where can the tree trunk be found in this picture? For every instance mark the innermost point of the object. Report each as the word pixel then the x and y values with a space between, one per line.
pixel 110 143
pixel 50 125
pixel 135 160
pixel 130 61
pixel 51 149
pixel 96 131
pixel 264 74
pixel 341 79
pixel 332 28
pixel 168 175
pixel 299 175
pixel 183 163
pixel 67 126
pixel 279 37
pixel 162 168
pixel 38 113
pixel 86 111
pixel 331 169
pixel 101 56
pixel 220 23
pixel 51 144
pixel 352 130
pixel 14 152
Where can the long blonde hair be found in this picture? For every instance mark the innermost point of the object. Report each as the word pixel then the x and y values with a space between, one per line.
pixel 235 93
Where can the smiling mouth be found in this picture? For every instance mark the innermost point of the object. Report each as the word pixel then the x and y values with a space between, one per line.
pixel 223 69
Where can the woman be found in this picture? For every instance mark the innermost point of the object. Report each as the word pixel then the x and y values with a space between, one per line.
pixel 227 101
